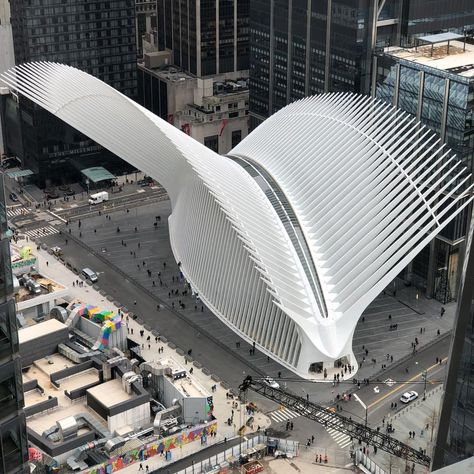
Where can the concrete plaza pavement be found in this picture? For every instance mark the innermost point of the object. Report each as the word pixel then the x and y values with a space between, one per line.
pixel 152 246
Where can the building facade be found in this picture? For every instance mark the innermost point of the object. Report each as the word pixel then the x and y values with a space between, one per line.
pixel 207 37
pixel 145 20
pixel 195 74
pixel 213 111
pixel 455 437
pixel 303 47
pixel 437 88
pixel 7 56
pixel 285 247
pixel 13 441
pixel 95 36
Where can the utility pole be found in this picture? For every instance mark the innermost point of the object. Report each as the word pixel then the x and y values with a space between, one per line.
pixel 425 376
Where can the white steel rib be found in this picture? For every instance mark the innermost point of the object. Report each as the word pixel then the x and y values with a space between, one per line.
pixel 290 237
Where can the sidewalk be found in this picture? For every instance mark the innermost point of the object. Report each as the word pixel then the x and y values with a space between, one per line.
pixel 420 417
pixel 222 405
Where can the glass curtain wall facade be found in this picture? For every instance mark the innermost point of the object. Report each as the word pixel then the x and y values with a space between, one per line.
pixel 455 438
pixel 13 441
pixel 304 47
pixel 207 37
pixel 94 36
pixel 421 16
pixel 444 101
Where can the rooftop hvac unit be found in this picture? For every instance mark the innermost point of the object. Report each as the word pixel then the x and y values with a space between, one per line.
pixel 67 428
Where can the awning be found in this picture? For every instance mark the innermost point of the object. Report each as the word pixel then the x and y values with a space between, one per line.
pixel 440 38
pixel 97 174
pixel 19 173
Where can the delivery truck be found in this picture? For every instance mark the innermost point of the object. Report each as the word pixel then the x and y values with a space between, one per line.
pixel 97 198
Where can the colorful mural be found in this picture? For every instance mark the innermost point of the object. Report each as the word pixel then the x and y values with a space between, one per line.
pixel 162 446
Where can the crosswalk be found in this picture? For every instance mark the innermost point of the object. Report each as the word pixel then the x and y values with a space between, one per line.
pixel 17 211
pixel 341 439
pixel 283 414
pixel 40 232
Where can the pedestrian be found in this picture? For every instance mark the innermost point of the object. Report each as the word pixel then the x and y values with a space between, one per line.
pixel 291 425
pixel 389 316
pixel 135 302
pixel 147 469
pixel 141 467
pixel 312 439
pixel 47 263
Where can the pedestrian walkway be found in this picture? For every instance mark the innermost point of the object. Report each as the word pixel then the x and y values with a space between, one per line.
pixel 341 439
pixel 17 211
pixel 416 425
pixel 39 232
pixel 283 414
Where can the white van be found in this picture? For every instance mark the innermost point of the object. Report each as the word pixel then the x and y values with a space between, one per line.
pixel 89 274
pixel 97 198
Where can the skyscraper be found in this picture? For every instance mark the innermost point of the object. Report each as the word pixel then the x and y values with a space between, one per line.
pixel 455 439
pixel 13 442
pixel 434 82
pixel 305 47
pixel 95 36
pixel 207 37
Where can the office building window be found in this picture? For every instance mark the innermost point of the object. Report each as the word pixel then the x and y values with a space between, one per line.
pixel 212 142
pixel 236 137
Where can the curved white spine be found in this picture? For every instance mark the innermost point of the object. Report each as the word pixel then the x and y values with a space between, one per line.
pixel 292 236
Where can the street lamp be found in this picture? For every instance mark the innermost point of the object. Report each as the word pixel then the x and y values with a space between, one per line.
pixel 424 376
pixel 364 406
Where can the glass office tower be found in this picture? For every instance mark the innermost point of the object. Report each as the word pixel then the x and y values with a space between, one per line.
pixel 95 36
pixel 207 37
pixel 304 47
pixel 13 442
pixel 455 438
pixel 442 98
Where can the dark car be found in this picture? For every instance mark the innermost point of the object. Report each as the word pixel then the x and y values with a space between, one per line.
pixel 13 197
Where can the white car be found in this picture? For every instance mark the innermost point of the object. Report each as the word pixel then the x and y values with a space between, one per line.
pixel 408 397
pixel 270 382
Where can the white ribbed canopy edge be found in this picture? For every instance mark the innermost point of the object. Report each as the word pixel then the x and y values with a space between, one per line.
pixel 290 238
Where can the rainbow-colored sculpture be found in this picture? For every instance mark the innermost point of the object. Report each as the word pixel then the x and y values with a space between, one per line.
pixel 110 321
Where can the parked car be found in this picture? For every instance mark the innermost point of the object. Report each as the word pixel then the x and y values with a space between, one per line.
pixel 90 275
pixel 13 197
pixel 270 382
pixel 408 397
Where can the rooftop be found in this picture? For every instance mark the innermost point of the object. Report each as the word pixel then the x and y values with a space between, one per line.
pixel 110 393
pixel 40 329
pixel 459 60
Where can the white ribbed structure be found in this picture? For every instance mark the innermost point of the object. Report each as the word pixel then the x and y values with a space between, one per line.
pixel 293 235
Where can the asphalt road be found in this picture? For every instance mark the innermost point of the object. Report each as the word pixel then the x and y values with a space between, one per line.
pixel 379 395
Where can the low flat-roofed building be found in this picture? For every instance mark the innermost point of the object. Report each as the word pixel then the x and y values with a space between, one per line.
pixel 41 340
pixel 118 406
